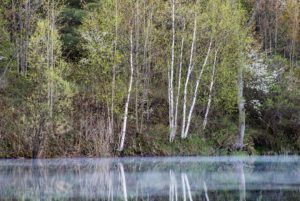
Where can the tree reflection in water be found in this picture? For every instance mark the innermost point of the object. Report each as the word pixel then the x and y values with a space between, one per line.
pixel 173 179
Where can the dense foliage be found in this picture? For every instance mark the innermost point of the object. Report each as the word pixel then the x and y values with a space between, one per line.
pixel 166 77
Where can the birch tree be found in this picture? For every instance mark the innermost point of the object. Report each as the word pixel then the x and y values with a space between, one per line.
pixel 196 92
pixel 210 91
pixel 178 90
pixel 124 126
pixel 47 71
pixel 99 76
pixel 189 72
pixel 113 84
pixel 146 71
pixel 241 107
pixel 171 79
pixel 137 64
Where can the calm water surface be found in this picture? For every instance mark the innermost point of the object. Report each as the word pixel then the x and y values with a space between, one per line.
pixel 171 179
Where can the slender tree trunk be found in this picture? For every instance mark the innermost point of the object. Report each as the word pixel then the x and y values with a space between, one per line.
pixel 171 77
pixel 52 59
pixel 49 55
pixel 148 74
pixel 190 69
pixel 21 44
pixel 178 92
pixel 15 35
pixel 137 70
pixel 146 64
pixel 27 30
pixel 113 86
pixel 276 26
pixel 196 92
pixel 210 91
pixel 123 131
pixel 241 106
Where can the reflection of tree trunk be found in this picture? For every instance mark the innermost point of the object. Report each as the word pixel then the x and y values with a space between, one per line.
pixel 38 179
pixel 242 181
pixel 205 191
pixel 186 187
pixel 183 187
pixel 123 181
pixel 110 196
pixel 173 187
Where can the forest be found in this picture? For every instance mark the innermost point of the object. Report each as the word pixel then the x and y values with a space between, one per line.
pixel 149 77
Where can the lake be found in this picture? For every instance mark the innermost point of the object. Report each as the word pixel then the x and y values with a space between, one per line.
pixel 173 178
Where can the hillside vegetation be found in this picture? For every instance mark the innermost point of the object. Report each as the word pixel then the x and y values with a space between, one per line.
pixel 132 77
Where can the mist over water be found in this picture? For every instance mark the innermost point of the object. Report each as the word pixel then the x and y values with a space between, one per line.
pixel 174 178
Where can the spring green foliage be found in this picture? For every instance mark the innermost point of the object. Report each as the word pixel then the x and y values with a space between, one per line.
pixel 70 100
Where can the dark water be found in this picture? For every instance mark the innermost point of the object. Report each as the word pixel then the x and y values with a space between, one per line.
pixel 187 178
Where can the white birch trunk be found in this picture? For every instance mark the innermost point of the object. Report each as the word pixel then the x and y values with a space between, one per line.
pixel 113 86
pixel 52 58
pixel 171 75
pixel 50 55
pixel 196 92
pixel 190 69
pixel 147 46
pixel 178 93
pixel 137 71
pixel 241 106
pixel 123 131
pixel 210 91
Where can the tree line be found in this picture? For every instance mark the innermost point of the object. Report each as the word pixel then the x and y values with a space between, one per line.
pixel 115 77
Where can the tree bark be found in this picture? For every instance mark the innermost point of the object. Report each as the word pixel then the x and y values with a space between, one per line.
pixel 241 106
pixel 196 92
pixel 190 69
pixel 171 77
pixel 146 64
pixel 137 70
pixel 123 131
pixel 178 92
pixel 113 86
pixel 210 92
